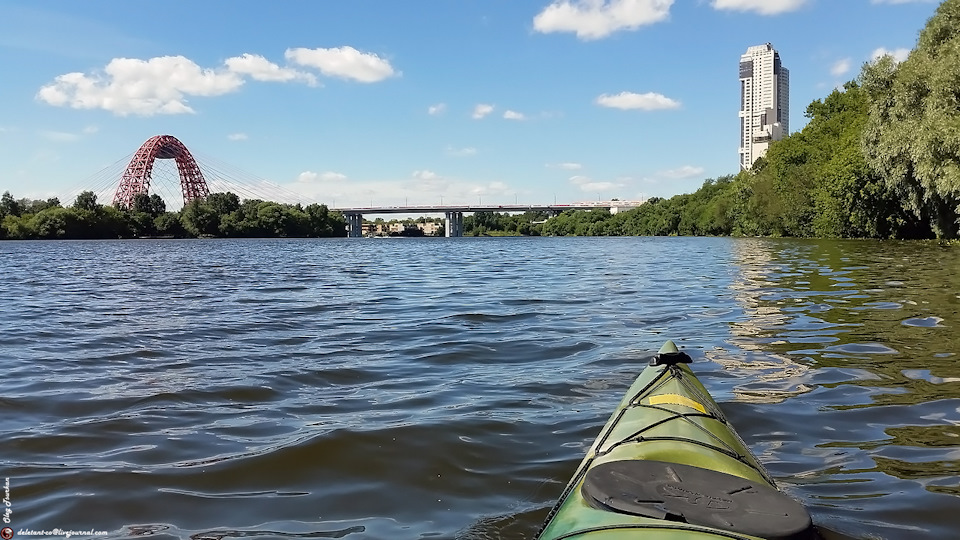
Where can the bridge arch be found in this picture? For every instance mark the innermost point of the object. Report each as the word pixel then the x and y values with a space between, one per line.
pixel 136 178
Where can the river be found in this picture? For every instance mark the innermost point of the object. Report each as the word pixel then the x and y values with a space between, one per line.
pixel 447 388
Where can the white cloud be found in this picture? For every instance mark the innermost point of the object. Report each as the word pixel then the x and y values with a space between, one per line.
pixel 482 110
pixel 66 136
pixel 308 177
pixel 587 184
pixel 461 152
pixel 437 109
pixel 343 62
pixel 59 136
pixel 261 69
pixel 898 54
pixel 144 87
pixel 237 137
pixel 569 166
pixel 331 176
pixel 417 188
pixel 425 175
pixel 763 7
pixel 514 115
pixel 629 100
pixel 840 67
pixel 491 188
pixel 162 85
pixel 595 19
pixel 425 181
pixel 687 171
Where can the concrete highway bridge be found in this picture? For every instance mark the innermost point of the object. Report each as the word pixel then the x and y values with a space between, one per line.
pixel 454 213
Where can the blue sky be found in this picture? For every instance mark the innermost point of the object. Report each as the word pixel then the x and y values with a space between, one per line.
pixel 361 102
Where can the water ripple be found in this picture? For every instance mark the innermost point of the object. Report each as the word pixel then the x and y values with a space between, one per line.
pixel 447 388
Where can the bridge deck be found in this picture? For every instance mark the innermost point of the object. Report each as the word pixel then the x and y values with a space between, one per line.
pixel 440 209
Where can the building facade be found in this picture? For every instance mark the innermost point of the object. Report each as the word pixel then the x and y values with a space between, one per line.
pixel 764 102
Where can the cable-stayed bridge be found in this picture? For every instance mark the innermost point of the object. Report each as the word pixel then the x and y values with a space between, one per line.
pixel 196 178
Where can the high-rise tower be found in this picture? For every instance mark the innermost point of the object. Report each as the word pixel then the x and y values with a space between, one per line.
pixel 764 102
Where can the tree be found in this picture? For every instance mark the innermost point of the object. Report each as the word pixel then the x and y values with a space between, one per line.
pixel 86 200
pixel 141 203
pixel 912 138
pixel 156 207
pixel 272 218
pixel 223 203
pixel 168 223
pixel 54 223
pixel 9 206
pixel 199 219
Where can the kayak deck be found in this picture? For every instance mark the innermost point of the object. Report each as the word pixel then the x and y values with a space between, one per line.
pixel 668 465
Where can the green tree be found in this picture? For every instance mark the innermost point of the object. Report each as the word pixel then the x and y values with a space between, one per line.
pixel 199 219
pixel 272 218
pixel 9 206
pixel 55 222
pixel 18 228
pixel 141 203
pixel 912 138
pixel 157 207
pixel 168 224
pixel 223 203
pixel 86 200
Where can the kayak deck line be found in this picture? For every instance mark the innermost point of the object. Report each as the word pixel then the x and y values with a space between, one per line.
pixel 654 402
pixel 669 465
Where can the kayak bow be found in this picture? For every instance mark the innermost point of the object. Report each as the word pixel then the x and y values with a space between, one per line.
pixel 669 466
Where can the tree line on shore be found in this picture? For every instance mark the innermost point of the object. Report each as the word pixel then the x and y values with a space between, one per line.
pixel 219 214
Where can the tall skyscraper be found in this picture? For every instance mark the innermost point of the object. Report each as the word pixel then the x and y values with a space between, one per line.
pixel 764 102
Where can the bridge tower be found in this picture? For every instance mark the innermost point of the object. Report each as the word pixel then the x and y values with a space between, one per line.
pixel 136 178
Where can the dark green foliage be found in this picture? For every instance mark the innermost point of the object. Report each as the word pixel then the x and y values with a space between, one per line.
pixel 9 205
pixel 86 200
pixel 503 224
pixel 221 214
pixel 169 224
pixel 912 137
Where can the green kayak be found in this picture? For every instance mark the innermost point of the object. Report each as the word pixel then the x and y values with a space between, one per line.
pixel 668 466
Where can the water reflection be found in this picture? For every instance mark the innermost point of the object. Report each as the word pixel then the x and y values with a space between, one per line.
pixel 856 336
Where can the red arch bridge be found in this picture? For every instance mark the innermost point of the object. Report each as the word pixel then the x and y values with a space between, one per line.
pixel 136 178
pixel 165 167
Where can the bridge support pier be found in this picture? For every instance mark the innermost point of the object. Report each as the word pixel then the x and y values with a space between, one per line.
pixel 354 225
pixel 454 224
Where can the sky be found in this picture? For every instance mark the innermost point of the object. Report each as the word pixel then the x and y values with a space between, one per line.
pixel 388 103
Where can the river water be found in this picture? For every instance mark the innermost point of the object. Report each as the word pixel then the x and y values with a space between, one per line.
pixel 447 388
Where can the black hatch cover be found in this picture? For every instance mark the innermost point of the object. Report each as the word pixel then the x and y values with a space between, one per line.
pixel 675 492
